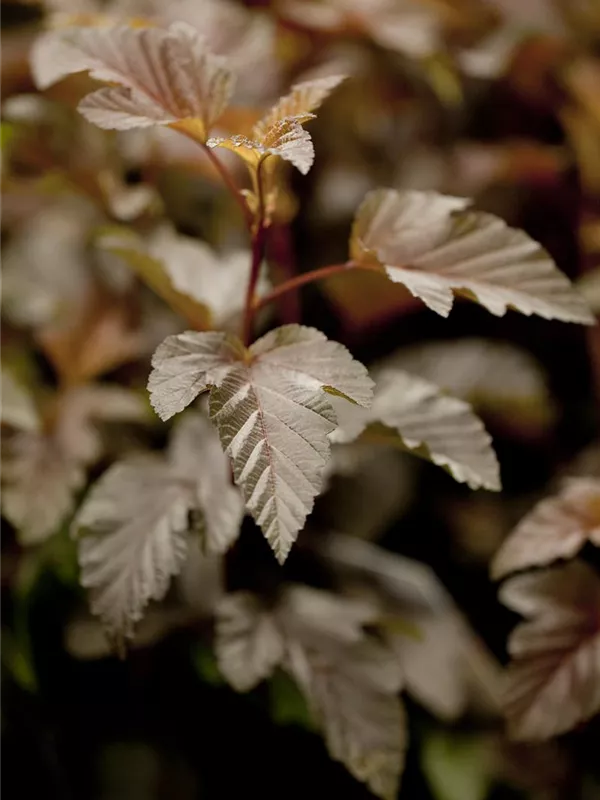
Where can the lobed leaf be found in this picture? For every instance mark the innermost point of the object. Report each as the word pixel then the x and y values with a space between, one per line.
pixel 558 527
pixel 350 680
pixel 163 76
pixel 135 524
pixel 269 404
pixel 435 246
pixel 553 680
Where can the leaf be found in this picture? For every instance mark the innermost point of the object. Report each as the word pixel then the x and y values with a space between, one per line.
pixel 18 408
pixel 445 667
pixel 248 643
pixel 269 404
pixel 280 131
pixel 44 275
pixel 493 376
pixel 163 77
pixel 553 681
pixel 434 245
pixel 135 524
pixel 154 274
pixel 286 139
pixel 349 680
pixel 354 702
pixel 85 637
pixel 43 470
pixel 418 417
pixel 401 25
pixel 287 704
pixel 195 454
pixel 39 482
pixel 215 281
pixel 558 527
pixel 458 767
pixel 133 538
pixel 304 99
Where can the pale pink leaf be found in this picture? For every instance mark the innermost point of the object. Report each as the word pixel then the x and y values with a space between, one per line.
pixel 163 75
pixel 132 532
pixel 435 246
pixel 553 681
pixel 195 455
pixel 270 405
pixel 558 527
pixel 249 644
pixel 39 482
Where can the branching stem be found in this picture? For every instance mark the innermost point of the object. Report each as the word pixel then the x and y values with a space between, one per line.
pixel 310 277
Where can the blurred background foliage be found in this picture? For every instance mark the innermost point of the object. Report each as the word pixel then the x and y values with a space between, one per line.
pixel 498 100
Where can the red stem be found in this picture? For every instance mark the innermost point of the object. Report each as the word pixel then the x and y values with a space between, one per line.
pixel 224 173
pixel 258 251
pixel 310 277
pixel 228 180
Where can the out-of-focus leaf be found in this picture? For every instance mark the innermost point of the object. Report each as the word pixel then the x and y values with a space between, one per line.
pixel 43 271
pixel 269 404
pixel 434 245
pixel 353 699
pixel 248 643
pixel 350 680
pixel 495 377
pixel 287 704
pixel 17 409
pixel 368 488
pixel 407 26
pixel 206 665
pixel 154 273
pixel 42 470
pixel 589 286
pixel 100 338
pixel 458 766
pixel 39 481
pixel 17 662
pixel 163 77
pixel 556 528
pixel 446 667
pixel 85 637
pixel 192 277
pixel 553 678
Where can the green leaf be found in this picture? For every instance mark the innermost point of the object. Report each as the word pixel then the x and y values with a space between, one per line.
pixel 457 766
pixel 287 704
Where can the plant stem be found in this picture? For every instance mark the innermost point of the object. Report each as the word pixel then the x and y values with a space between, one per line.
pixel 229 182
pixel 310 277
pixel 258 250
